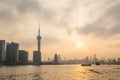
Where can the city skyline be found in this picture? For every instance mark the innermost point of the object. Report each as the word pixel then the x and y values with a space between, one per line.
pixel 70 28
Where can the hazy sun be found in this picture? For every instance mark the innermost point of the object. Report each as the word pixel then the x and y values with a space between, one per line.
pixel 79 44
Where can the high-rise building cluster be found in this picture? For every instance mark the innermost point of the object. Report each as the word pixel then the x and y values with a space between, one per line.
pixel 57 58
pixel 11 55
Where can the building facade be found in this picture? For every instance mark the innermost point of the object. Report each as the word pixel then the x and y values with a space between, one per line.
pixel 2 51
pixel 56 59
pixel 12 53
pixel 23 57
pixel 36 57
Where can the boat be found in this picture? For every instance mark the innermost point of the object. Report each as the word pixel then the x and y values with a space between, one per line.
pixel 86 64
pixel 97 63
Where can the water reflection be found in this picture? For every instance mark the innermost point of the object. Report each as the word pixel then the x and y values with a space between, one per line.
pixel 60 72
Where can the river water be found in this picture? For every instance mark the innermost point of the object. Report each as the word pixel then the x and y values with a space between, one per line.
pixel 60 72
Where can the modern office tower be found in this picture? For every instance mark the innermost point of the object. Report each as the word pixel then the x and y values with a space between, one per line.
pixel 36 57
pixel 87 59
pixel 2 51
pixel 12 53
pixel 37 54
pixel 56 59
pixel 23 57
pixel 59 58
pixel 94 58
pixel 48 60
pixel 91 59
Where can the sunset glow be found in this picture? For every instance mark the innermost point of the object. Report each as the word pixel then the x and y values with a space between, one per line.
pixel 79 44
pixel 67 26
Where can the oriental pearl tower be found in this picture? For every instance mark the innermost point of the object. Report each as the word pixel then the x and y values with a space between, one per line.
pixel 39 45
pixel 37 53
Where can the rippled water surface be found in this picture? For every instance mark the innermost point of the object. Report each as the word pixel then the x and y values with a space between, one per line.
pixel 60 72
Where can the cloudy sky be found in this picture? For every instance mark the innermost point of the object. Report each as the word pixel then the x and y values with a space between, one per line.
pixel 71 28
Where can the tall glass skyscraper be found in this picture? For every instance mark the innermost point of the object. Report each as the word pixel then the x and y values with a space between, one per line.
pixel 2 51
pixel 12 53
pixel 23 57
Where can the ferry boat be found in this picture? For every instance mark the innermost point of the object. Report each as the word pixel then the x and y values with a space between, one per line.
pixel 86 64
pixel 97 63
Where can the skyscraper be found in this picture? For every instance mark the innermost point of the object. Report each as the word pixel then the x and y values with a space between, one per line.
pixel 2 51
pixel 59 58
pixel 12 53
pixel 36 57
pixel 37 54
pixel 94 58
pixel 56 59
pixel 23 57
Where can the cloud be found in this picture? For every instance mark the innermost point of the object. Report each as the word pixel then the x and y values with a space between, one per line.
pixel 95 28
pixel 11 9
pixel 114 11
pixel 29 5
pixel 50 40
pixel 14 11
pixel 66 18
pixel 6 15
pixel 107 25
pixel 116 45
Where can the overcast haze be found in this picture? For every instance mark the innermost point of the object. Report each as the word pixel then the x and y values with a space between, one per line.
pixel 71 28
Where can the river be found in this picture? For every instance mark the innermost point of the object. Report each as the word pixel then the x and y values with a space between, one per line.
pixel 60 72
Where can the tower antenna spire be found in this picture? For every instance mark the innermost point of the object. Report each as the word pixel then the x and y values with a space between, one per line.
pixel 39 28
pixel 39 37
